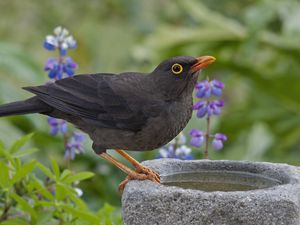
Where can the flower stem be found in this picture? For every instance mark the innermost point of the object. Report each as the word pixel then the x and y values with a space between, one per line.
pixel 207 137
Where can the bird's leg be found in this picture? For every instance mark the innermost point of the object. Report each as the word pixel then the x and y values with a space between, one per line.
pixel 132 175
pixel 139 167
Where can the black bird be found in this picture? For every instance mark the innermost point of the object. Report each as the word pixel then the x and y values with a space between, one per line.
pixel 128 111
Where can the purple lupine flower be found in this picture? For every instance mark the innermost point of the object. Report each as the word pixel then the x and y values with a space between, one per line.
pixel 53 68
pixel 57 126
pixel 203 89
pixel 74 146
pixel 166 152
pixel 216 87
pixel 78 136
pixel 62 67
pixel 197 139
pixel 183 152
pixel 208 107
pixel 69 66
pixel 201 108
pixel 218 140
pixel 214 107
pixel 176 149
pixel 57 69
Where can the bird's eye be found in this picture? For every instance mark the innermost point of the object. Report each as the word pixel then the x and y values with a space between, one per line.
pixel 177 68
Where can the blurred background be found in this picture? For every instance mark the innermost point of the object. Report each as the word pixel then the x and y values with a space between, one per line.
pixel 256 43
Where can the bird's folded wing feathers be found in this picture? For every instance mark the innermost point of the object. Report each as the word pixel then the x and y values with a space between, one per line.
pixel 101 100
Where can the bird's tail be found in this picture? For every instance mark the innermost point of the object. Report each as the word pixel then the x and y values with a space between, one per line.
pixel 31 105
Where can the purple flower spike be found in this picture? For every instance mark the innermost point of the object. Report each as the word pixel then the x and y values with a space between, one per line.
pixel 70 66
pixel 199 105
pixel 57 69
pixel 176 149
pixel 69 152
pixel 214 107
pixel 218 140
pixel 221 137
pixel 217 144
pixel 74 146
pixel 210 106
pixel 63 127
pixel 50 64
pixel 53 68
pixel 216 87
pixel 197 139
pixel 49 46
pixel 201 108
pixel 196 133
pixel 63 52
pixel 57 125
pixel 78 136
pixel 202 112
pixel 183 152
pixel 203 89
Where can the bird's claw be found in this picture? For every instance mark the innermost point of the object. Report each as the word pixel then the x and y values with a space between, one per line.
pixel 141 173
pixel 154 176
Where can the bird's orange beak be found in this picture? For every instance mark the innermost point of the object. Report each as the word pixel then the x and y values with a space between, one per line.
pixel 202 62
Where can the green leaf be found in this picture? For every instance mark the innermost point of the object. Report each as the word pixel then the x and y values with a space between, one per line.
pixel 25 206
pixel 46 204
pixel 109 215
pixel 55 168
pixel 4 175
pixel 20 143
pixel 25 152
pixel 16 221
pixel 79 203
pixel 84 215
pixel 61 192
pixel 24 170
pixel 78 177
pixel 41 189
pixel 46 218
pixel 5 153
pixel 46 171
pixel 65 174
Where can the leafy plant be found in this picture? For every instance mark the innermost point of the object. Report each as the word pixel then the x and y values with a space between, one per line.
pixel 31 193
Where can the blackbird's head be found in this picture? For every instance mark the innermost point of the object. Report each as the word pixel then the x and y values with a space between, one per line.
pixel 178 75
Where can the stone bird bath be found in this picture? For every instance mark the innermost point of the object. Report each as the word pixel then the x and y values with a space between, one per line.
pixel 214 193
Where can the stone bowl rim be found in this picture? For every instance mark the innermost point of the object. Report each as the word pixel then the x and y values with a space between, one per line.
pixel 288 179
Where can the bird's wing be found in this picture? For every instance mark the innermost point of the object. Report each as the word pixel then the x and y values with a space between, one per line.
pixel 102 100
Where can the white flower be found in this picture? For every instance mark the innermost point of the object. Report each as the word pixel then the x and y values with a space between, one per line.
pixel 163 153
pixel 183 150
pixel 78 191
pixel 61 39
pixel 52 40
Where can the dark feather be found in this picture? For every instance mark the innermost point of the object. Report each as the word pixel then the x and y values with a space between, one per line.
pixel 32 105
pixel 102 100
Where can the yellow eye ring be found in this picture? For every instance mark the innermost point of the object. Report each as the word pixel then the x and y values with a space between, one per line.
pixel 177 68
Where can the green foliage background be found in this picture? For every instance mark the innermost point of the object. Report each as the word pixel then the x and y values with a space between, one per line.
pixel 256 43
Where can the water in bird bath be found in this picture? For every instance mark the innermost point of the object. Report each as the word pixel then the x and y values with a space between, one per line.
pixel 217 180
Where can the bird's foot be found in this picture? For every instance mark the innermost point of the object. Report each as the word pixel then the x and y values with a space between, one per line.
pixel 149 172
pixel 141 173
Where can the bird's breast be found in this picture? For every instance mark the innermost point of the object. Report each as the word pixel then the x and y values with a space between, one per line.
pixel 161 130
